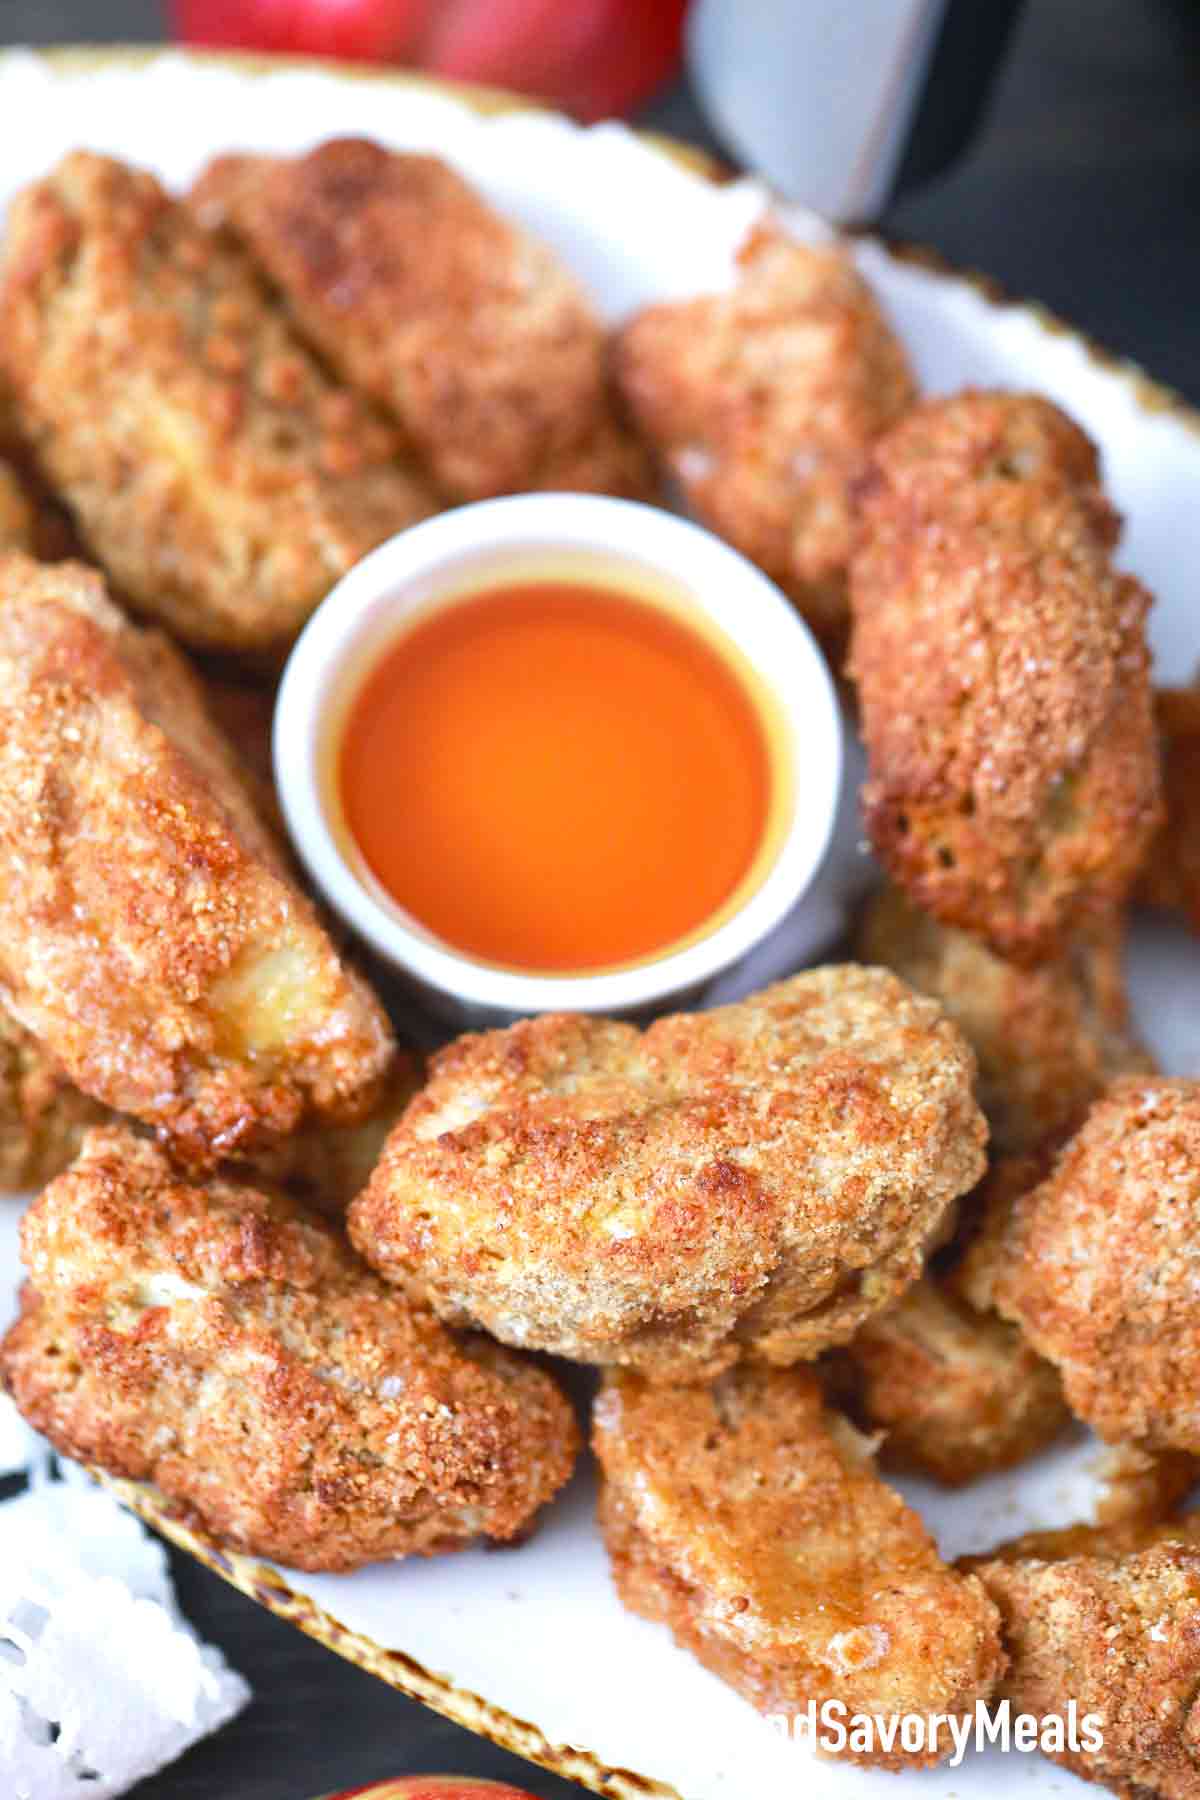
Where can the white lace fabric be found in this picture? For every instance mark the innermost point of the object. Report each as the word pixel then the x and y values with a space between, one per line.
pixel 102 1681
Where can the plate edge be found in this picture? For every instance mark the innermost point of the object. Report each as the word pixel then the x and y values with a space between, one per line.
pixel 69 60
pixel 265 1585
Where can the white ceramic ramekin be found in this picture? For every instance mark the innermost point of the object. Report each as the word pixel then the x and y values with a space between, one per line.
pixel 558 535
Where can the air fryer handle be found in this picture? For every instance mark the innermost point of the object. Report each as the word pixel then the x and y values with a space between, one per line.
pixel 844 104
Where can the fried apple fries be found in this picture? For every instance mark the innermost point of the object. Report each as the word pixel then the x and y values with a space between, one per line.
pixel 474 335
pixel 221 477
pixel 749 1519
pixel 150 937
pixel 219 1341
pixel 1002 673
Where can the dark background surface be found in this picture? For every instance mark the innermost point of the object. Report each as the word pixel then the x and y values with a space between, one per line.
pixel 1081 190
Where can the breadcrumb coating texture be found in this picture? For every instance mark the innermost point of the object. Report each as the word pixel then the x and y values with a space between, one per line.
pixel 1097 1264
pixel 749 1519
pixel 468 330
pixel 1144 1486
pixel 756 1179
pixel 958 1393
pixel 763 404
pixel 43 1115
pixel 1048 1039
pixel 1003 674
pixel 221 477
pixel 1117 1632
pixel 325 1167
pixel 1138 1510
pixel 216 1340
pixel 44 1118
pixel 150 938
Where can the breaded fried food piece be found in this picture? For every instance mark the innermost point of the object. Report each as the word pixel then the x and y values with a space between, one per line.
pixel 325 1167
pixel 1097 1264
pixel 1002 673
pixel 763 404
pixel 150 937
pixel 221 477
pixel 1112 1540
pixel 471 332
pixel 760 1178
pixel 44 1118
pixel 1048 1039
pixel 749 1519
pixel 43 1115
pixel 1144 1485
pixel 1170 878
pixel 1138 1509
pixel 16 514
pixel 959 1393
pixel 220 1342
pixel 1116 1632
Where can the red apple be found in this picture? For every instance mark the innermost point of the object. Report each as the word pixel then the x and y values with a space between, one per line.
pixel 357 30
pixel 594 57
pixel 433 1787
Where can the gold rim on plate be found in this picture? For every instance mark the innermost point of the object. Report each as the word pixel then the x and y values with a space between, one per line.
pixel 259 1581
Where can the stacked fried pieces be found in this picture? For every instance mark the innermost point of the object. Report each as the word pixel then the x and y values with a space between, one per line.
pixel 293 1280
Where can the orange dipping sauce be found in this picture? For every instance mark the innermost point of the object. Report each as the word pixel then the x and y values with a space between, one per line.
pixel 556 777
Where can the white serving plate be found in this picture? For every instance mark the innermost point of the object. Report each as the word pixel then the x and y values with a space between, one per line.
pixel 530 1645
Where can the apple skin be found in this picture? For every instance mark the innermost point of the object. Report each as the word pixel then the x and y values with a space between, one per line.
pixel 433 1787
pixel 355 30
pixel 595 58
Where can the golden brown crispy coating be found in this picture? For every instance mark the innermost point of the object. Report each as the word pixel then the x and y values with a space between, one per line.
pixel 227 1346
pixel 759 1178
pixel 43 1115
pixel 1144 1485
pixel 1119 1537
pixel 764 402
pixel 469 330
pixel 1171 876
pixel 1097 1265
pixel 1002 673
pixel 325 1167
pixel 749 1519
pixel 216 471
pixel 959 1393
pixel 1116 1632
pixel 149 935
pixel 1048 1039
pixel 1138 1509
